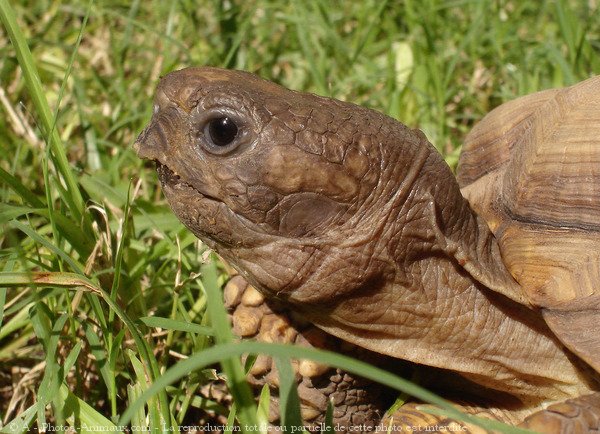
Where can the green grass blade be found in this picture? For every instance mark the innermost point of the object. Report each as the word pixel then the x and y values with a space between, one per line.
pixel 99 354
pixel 2 301
pixel 80 240
pixel 15 278
pixel 71 358
pixel 20 189
pixel 172 324
pixel 28 230
pixel 10 212
pixel 229 428
pixel 264 401
pixel 36 92
pixel 329 417
pixel 22 423
pixel 236 378
pixel 48 335
pixel 289 402
pixel 113 357
pixel 18 321
pixel 83 416
pixel 133 393
pixel 142 381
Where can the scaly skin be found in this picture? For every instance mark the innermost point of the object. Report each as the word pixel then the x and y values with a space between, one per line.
pixel 357 402
pixel 355 221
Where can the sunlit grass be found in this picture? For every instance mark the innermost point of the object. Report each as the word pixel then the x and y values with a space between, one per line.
pixel 115 295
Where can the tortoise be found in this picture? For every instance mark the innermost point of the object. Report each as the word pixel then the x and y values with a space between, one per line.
pixel 354 222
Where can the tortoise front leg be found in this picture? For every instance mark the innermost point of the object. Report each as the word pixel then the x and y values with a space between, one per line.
pixel 357 402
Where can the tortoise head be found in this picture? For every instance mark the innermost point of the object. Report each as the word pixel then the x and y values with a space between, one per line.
pixel 294 189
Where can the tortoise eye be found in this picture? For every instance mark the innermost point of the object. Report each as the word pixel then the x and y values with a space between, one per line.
pixel 222 131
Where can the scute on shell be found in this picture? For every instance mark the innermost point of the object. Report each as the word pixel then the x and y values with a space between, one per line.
pixel 531 169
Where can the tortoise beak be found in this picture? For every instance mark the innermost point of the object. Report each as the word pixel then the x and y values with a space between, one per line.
pixel 152 142
pixel 165 127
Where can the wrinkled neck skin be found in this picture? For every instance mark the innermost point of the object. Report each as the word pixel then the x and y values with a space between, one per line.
pixel 432 293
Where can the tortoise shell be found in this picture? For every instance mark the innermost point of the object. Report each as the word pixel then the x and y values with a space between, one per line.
pixel 531 169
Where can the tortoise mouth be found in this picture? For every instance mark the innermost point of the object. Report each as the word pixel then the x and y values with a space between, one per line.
pixel 169 180
pixel 166 176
